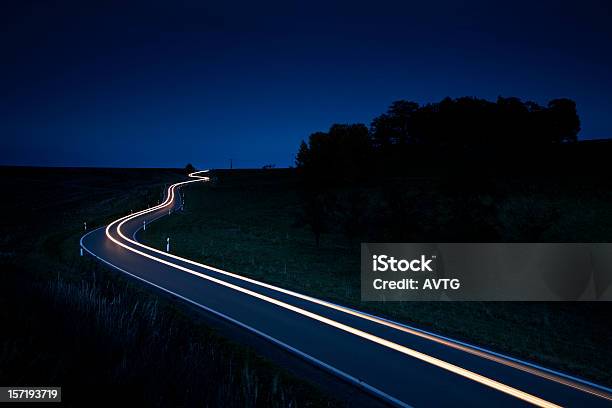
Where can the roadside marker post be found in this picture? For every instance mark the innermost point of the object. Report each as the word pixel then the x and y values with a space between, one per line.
pixel 84 229
pixel 168 244
pixel 144 225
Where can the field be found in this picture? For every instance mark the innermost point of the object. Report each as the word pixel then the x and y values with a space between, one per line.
pixel 69 321
pixel 249 222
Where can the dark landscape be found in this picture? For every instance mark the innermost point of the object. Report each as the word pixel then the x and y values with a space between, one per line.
pixel 306 204
pixel 251 222
pixel 75 322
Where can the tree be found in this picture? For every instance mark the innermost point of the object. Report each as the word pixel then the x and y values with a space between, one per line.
pixel 302 156
pixel 189 168
pixel 395 127
pixel 349 150
pixel 400 113
pixel 463 139
pixel 512 123
pixel 563 120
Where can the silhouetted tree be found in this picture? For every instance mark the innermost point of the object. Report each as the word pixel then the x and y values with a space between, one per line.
pixel 337 154
pixel 302 155
pixel 395 126
pixel 337 157
pixel 189 168
pixel 463 139
pixel 382 132
pixel 469 123
pixel 350 147
pixel 564 121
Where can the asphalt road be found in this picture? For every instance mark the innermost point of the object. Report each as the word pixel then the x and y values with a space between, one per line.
pixel 397 363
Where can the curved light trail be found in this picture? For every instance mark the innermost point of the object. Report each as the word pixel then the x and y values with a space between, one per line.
pixel 116 227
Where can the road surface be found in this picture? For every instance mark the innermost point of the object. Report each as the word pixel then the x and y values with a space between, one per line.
pixel 400 364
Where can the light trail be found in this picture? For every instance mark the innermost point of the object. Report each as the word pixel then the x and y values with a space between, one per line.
pixel 413 353
pixel 384 322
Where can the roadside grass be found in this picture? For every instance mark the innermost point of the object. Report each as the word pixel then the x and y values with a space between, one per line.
pixel 70 321
pixel 246 222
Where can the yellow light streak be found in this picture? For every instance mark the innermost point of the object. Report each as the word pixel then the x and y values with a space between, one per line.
pixel 413 353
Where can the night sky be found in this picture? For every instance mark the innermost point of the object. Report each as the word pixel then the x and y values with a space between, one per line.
pixel 157 85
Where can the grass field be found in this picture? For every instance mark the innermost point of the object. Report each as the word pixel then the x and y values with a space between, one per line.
pixel 70 321
pixel 246 222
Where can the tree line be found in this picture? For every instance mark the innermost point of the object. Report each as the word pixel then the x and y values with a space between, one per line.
pixel 353 174
pixel 450 130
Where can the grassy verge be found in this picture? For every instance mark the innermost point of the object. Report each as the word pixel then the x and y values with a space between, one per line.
pixel 69 321
pixel 246 222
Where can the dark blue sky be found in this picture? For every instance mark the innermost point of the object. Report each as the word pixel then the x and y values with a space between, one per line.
pixel 162 85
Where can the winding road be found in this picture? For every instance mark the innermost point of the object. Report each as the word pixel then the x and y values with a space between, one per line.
pixel 400 364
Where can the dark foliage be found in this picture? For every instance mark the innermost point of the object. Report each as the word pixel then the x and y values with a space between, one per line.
pixel 453 134
pixel 471 146
pixel 472 122
pixel 189 168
